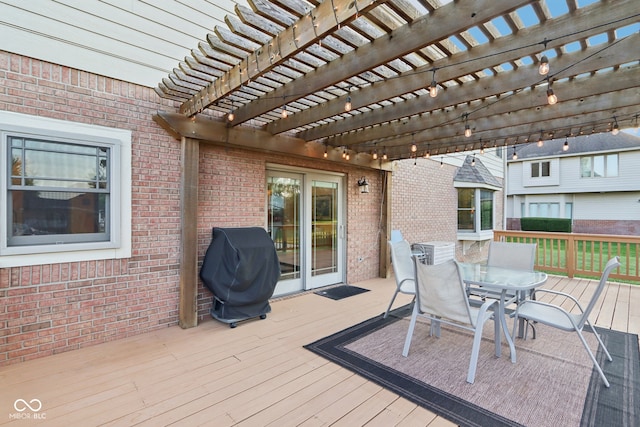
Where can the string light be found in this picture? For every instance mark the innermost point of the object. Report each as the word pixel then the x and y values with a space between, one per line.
pixel 540 141
pixel 543 69
pixel 231 116
pixel 565 147
pixel 515 155
pixel 347 105
pixel 375 154
pixel 285 114
pixel 428 153
pixel 552 99
pixel 384 155
pixel 473 161
pixel 467 129
pixel 326 154
pixel 616 128
pixel 414 147
pixel 433 87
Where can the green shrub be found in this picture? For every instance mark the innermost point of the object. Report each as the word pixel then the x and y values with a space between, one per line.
pixel 558 225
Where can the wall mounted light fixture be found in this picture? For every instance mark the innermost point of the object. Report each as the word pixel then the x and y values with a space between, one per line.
pixel 363 184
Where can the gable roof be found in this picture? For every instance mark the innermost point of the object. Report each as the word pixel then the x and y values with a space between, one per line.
pixel 596 143
pixel 473 171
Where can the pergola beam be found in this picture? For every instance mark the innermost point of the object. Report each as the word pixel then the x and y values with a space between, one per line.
pixel 319 23
pixel 444 22
pixel 587 21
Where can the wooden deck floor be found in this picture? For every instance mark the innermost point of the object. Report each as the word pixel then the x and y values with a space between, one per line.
pixel 257 374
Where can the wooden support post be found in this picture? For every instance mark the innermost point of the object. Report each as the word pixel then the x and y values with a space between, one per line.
pixel 385 223
pixel 188 307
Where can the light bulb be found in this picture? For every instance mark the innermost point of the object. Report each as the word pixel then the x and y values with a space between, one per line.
pixel 375 155
pixel 540 142
pixel 616 129
pixel 347 105
pixel 433 89
pixel 467 131
pixel 565 147
pixel 285 114
pixel 414 148
pixel 551 97
pixel 543 69
pixel 231 116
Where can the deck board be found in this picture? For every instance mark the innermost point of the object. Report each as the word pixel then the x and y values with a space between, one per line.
pixel 257 374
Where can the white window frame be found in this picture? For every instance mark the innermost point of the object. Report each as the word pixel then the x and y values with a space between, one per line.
pixel 540 165
pixel 119 141
pixel 605 164
pixel 477 234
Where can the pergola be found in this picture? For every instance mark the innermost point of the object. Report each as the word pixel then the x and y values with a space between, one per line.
pixel 359 77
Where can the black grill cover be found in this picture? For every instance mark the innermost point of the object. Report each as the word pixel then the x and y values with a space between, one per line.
pixel 241 269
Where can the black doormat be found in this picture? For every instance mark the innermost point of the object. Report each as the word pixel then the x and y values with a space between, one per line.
pixel 340 292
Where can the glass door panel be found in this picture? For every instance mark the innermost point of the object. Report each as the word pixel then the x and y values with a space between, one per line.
pixel 326 232
pixel 284 227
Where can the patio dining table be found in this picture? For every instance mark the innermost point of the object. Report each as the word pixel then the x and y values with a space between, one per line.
pixel 503 280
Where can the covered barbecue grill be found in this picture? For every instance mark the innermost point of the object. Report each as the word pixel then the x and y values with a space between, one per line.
pixel 241 269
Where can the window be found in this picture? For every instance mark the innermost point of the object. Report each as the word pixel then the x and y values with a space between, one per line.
pixel 545 210
pixel 58 192
pixel 540 169
pixel 66 191
pixel 471 201
pixel 599 166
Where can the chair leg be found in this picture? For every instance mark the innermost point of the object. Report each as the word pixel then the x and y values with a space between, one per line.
pixel 412 325
pixel 475 350
pixel 496 331
pixel 593 358
pixel 609 358
pixel 386 313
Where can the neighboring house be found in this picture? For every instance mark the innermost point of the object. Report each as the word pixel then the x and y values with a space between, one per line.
pixel 595 182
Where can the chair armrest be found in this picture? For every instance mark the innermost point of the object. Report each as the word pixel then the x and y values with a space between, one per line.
pixel 562 294
pixel 566 313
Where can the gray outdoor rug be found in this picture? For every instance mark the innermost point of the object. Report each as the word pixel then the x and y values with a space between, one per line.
pixel 552 384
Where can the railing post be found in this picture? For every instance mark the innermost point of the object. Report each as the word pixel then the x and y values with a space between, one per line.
pixel 571 255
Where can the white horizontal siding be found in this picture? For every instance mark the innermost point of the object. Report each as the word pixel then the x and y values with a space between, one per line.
pixel 628 178
pixel 607 206
pixel 139 41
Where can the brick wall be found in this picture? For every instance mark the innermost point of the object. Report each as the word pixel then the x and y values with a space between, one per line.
pixel 232 193
pixel 48 309
pixel 425 204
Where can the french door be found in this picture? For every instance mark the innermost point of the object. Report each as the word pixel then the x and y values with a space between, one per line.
pixel 305 220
